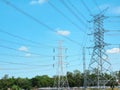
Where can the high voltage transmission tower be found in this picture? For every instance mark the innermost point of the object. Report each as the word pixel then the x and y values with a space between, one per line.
pixel 99 64
pixel 61 82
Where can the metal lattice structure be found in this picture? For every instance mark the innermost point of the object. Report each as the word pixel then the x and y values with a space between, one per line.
pixel 99 64
pixel 61 82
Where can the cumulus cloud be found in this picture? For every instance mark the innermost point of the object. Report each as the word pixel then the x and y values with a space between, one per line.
pixel 33 2
pixel 63 32
pixel 23 48
pixel 113 50
pixel 27 54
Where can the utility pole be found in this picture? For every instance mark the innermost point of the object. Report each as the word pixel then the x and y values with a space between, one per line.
pixel 84 68
pixel 61 81
pixel 99 64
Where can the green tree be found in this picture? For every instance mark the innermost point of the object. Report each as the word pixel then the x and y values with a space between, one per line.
pixel 24 83
pixel 78 78
pixel 15 87
pixel 42 81
pixel 5 83
pixel 71 80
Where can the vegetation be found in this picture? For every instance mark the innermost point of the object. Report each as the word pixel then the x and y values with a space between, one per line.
pixel 75 79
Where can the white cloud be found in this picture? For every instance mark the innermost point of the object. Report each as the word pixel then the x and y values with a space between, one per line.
pixel 113 50
pixel 63 32
pixel 27 55
pixel 42 1
pixel 23 48
pixel 33 2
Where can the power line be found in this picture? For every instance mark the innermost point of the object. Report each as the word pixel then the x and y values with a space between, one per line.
pixel 79 14
pixel 23 56
pixel 24 72
pixel 22 38
pixel 23 69
pixel 113 30
pixel 99 59
pixel 116 32
pixel 36 20
pixel 75 8
pixel 72 12
pixel 18 43
pixel 115 44
pixel 61 82
pixel 75 60
pixel 24 51
pixel 114 16
pixel 28 15
pixel 66 17
pixel 87 8
pixel 73 65
pixel 113 21
pixel 72 40
pixel 95 2
pixel 25 45
pixel 24 64
pixel 12 55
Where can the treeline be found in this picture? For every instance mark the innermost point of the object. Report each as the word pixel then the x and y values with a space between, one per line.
pixel 75 79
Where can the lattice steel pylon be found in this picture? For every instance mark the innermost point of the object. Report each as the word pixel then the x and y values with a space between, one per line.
pixel 61 82
pixel 99 64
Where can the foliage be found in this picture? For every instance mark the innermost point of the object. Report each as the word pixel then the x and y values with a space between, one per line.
pixel 75 79
pixel 15 87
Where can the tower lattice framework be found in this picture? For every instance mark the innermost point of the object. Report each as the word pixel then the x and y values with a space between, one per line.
pixel 61 81
pixel 99 64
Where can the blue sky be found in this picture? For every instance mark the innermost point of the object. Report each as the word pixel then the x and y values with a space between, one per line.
pixel 27 47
